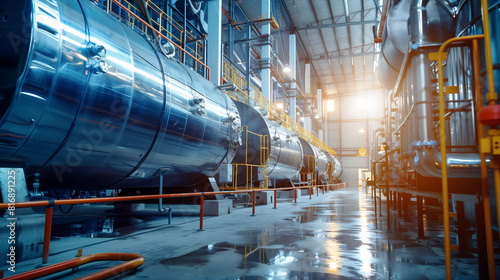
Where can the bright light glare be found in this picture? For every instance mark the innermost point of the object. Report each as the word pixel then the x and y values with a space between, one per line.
pixel 287 69
pixel 330 105
pixel 279 105
pixel 363 104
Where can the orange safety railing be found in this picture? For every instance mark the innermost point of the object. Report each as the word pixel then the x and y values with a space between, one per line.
pixel 132 14
pixel 51 203
pixel 133 262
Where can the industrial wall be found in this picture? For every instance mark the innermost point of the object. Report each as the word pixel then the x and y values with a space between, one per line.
pixel 350 127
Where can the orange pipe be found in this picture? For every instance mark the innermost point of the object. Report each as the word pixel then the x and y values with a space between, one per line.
pixel 295 193
pixel 46 203
pixel 47 233
pixel 133 261
pixel 163 36
pixel 275 198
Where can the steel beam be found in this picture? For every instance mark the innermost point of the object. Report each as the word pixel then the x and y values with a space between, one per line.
pixel 333 25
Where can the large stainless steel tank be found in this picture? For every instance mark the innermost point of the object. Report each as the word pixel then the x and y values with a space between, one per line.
pixel 337 172
pixel 322 160
pixel 285 151
pixel 89 103
pixel 396 39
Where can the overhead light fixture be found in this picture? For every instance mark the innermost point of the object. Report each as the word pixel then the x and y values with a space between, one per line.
pixel 316 116
pixel 279 105
pixel 287 69
pixel 361 130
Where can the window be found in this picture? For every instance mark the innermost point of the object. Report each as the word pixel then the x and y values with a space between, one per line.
pixel 330 105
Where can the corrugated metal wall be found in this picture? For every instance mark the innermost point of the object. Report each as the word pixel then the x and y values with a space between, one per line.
pixel 350 127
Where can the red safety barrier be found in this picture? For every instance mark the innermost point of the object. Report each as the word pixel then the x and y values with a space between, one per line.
pixel 46 234
pixel 51 203
pixel 202 203
pixel 275 199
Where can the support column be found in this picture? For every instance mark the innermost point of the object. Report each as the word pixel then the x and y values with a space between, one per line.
pixel 267 80
pixel 214 60
pixel 292 64
pixel 319 107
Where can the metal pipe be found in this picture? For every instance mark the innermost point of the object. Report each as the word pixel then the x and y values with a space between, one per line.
pixel 253 203
pixel 202 205
pixel 383 18
pixel 484 167
pixel 133 261
pixel 428 162
pixel 45 203
pixel 46 234
pixel 275 197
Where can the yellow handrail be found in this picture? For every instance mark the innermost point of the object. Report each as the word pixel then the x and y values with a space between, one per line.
pixel 231 74
pixel 444 165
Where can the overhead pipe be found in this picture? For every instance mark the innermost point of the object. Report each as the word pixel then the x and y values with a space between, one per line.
pixel 427 160
pixel 383 19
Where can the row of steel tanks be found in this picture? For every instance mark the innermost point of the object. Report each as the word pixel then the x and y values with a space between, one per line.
pixel 88 103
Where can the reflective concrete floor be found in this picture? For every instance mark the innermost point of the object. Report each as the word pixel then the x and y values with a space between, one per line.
pixel 335 236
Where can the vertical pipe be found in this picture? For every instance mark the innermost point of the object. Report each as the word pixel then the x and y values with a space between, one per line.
pixel 253 203
pixel 420 217
pixel 310 193
pixel 275 198
pixel 482 248
pixel 295 193
pixel 380 202
pixel 462 232
pixel 374 195
pixel 406 201
pixel 386 148
pixel 484 167
pixel 444 167
pixel 249 58
pixel 492 96
pixel 47 232
pixel 323 189
pixel 399 204
pixel 202 206
pixel 184 35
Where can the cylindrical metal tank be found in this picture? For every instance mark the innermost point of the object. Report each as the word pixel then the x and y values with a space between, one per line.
pixel 285 152
pixel 337 172
pixel 89 103
pixel 322 160
pixel 396 39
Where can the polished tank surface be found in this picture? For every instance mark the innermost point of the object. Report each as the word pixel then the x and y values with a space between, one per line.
pixel 89 103
pixel 397 41
pixel 284 156
pixel 337 171
pixel 322 160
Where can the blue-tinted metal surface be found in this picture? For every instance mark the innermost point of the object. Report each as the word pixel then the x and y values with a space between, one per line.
pixel 78 113
pixel 285 150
